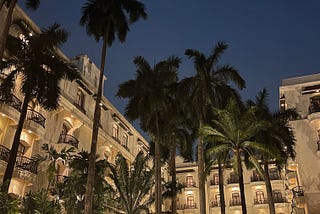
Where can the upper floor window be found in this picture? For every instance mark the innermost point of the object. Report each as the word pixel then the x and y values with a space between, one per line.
pixel 21 149
pixel 259 194
pixel 216 179
pixel 115 131
pixel 125 140
pixel 190 201
pixel 189 181
pixel 80 98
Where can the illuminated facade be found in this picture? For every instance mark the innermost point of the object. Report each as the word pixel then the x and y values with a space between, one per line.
pixel 70 125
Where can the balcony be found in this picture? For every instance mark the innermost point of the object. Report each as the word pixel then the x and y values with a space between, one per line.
pixel 260 201
pixel 190 184
pixel 274 176
pixel 36 117
pixel 186 206
pixel 215 204
pixel 4 153
pixel 68 139
pixel 279 199
pixel 233 180
pixel 256 178
pixel 13 102
pixel 235 202
pixel 22 162
pixel 214 182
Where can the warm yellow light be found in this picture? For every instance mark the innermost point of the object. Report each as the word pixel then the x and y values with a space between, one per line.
pixel 189 193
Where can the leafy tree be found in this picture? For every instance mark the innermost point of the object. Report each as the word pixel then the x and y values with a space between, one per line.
pixel 72 190
pixel 132 185
pixel 10 4
pixel 149 97
pixel 106 20
pixel 39 203
pixel 278 135
pixel 8 204
pixel 35 59
pixel 208 87
pixel 233 133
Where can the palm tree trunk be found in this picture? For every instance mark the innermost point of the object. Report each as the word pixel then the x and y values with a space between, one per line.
pixel 241 183
pixel 157 168
pixel 14 148
pixel 94 139
pixel 5 30
pixel 1 4
pixel 272 209
pixel 202 193
pixel 173 179
pixel 221 188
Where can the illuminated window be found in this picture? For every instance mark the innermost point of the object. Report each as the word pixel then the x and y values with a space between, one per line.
pixel 259 195
pixel 125 140
pixel 216 179
pixel 21 149
pixel 189 181
pixel 190 201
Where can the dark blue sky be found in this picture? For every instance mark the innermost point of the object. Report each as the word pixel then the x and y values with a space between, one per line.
pixel 268 40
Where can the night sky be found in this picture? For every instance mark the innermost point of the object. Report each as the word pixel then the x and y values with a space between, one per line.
pixel 268 40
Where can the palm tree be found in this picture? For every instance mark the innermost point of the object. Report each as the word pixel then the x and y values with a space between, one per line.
pixel 132 184
pixel 209 87
pixel 278 135
pixel 36 61
pixel 233 132
pixel 149 97
pixel 32 4
pixel 106 20
pixel 8 204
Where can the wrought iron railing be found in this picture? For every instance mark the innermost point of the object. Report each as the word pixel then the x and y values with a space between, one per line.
pixel 27 164
pixel 279 199
pixel 68 139
pixel 190 184
pixel 235 202
pixel 260 201
pixel 256 178
pixel 233 180
pixel 4 153
pixel 214 182
pixel 36 117
pixel 186 206
pixel 215 204
pixel 13 101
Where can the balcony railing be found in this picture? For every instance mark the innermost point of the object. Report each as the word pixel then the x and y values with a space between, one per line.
pixel 190 184
pixel 186 206
pixel 215 204
pixel 36 117
pixel 279 199
pixel 27 164
pixel 256 178
pixel 274 176
pixel 233 180
pixel 235 202
pixel 260 201
pixel 68 139
pixel 13 102
pixel 214 182
pixel 4 153
pixel 298 191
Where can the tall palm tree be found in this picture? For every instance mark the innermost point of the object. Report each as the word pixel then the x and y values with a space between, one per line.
pixel 36 61
pixel 132 184
pixel 149 97
pixel 209 87
pixel 278 135
pixel 233 132
pixel 106 20
pixel 32 4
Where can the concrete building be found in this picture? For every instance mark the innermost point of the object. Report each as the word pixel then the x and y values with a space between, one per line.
pixel 302 93
pixel 70 125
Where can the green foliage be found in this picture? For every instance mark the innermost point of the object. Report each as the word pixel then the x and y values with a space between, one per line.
pixel 8 204
pixel 39 203
pixel 132 185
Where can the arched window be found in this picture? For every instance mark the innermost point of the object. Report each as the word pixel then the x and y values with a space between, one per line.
pixel 80 98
